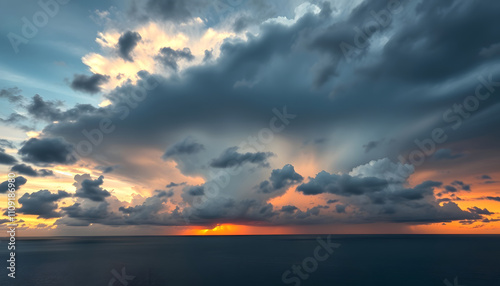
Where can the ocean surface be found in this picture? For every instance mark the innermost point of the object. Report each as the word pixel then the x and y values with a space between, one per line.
pixel 365 260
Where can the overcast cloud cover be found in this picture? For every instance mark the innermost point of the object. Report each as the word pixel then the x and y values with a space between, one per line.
pixel 245 112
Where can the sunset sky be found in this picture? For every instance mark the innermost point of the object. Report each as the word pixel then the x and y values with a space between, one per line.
pixel 188 117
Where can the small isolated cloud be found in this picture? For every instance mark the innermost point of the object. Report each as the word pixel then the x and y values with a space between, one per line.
pixel 477 210
pixel 47 151
pixel 92 190
pixel 4 186
pixel 172 184
pixel 11 94
pixel 187 146
pixel 30 171
pixel 462 185
pixel 89 84
pixel 281 179
pixel 493 198
pixel 126 43
pixel 231 158
pixel 6 159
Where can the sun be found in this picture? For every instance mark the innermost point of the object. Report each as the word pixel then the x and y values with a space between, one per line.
pixel 220 229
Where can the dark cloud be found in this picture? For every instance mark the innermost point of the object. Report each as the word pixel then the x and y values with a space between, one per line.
pixel 146 213
pixel 4 186
pixel 30 171
pixel 343 185
pixel 493 198
pixel 126 43
pixel 187 146
pixel 92 190
pixel 332 100
pixel 83 216
pixel 6 159
pixel 425 49
pixel 446 154
pixel 47 151
pixel 172 184
pixel 485 177
pixel 178 11
pixel 281 179
pixel 11 94
pixel 462 185
pixel 332 201
pixel 196 191
pixel 231 158
pixel 169 57
pixel 477 210
pixel 289 209
pixel 89 84
pixel 449 189
pixel 50 111
pixel 42 203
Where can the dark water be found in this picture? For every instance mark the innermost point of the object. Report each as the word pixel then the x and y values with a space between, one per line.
pixel 367 260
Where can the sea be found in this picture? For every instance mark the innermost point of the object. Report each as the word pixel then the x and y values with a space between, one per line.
pixel 364 260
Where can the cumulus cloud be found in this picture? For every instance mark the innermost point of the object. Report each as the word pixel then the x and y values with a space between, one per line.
pixel 4 186
pixel 232 158
pixel 50 111
pixel 89 84
pixel 47 151
pixel 42 203
pixel 126 43
pixel 280 179
pixel 404 63
pixel 92 190
pixel 169 57
pixel 30 171
pixel 6 159
pixel 187 146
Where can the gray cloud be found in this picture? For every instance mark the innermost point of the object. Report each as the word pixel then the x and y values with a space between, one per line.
pixel 30 171
pixel 343 185
pixel 289 209
pixel 47 151
pixel 126 43
pixel 11 94
pixel 187 146
pixel 4 186
pixel 6 159
pixel 89 84
pixel 92 190
pixel 169 57
pixel 280 179
pixel 231 158
pixel 42 203
pixel 480 211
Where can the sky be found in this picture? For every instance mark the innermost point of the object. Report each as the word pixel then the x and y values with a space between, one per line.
pixel 250 117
